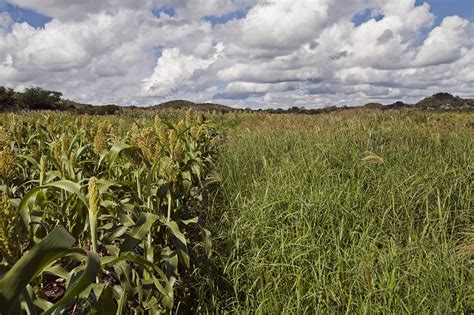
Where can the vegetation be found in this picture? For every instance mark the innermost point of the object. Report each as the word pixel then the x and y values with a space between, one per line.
pixel 184 105
pixel 343 212
pixel 37 98
pixel 129 194
pixel 7 98
pixel 445 101
pixel 347 212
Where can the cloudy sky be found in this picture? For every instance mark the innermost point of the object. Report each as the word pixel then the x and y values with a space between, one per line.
pixel 246 53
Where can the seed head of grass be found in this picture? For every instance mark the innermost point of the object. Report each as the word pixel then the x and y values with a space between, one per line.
pixel 56 149
pixel 170 170
pixel 94 197
pixel 188 119
pixel 147 142
pixel 372 158
pixel 5 137
pixel 100 139
pixel 65 143
pixel 7 163
pixel 85 120
pixel 8 226
pixel 466 250
pixel 172 138
pixel 180 127
pixel 161 130
pixel 38 124
pixel 178 152
pixel 197 131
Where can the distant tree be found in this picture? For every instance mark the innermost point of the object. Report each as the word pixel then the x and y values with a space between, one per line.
pixel 38 98
pixel 7 98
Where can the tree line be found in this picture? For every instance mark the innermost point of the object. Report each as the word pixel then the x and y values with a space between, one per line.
pixel 38 98
pixel 33 98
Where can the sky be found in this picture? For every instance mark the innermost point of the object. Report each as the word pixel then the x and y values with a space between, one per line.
pixel 242 53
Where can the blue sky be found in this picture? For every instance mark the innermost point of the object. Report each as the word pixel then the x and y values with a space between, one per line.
pixel 246 53
pixel 441 8
pixel 20 15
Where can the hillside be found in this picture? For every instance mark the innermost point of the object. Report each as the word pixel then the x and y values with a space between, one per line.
pixel 37 98
pixel 445 101
pixel 184 104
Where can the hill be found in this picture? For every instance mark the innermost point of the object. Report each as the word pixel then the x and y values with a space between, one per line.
pixel 445 101
pixel 373 106
pixel 183 104
pixel 37 98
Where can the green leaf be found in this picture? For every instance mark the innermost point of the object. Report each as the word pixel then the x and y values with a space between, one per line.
pixel 56 270
pixel 68 186
pixel 192 220
pixel 30 159
pixel 116 149
pixel 31 264
pixel 87 277
pixel 106 302
pixel 55 245
pixel 207 242
pixel 43 304
pixel 186 175
pixel 139 231
pixel 25 205
pixel 104 185
pixel 179 241
pixel 31 196
pixel 121 303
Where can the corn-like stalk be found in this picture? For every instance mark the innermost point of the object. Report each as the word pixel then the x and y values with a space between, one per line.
pixel 153 170
pixel 168 217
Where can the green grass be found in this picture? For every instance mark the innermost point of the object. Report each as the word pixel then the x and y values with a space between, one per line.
pixel 302 225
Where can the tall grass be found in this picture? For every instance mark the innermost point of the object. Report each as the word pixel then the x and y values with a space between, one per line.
pixel 356 212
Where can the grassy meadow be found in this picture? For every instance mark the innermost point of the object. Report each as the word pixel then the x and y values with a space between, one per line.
pixel 358 211
pixel 351 212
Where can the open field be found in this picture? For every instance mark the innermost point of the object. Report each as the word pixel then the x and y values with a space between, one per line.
pixel 347 213
pixel 360 211
pixel 236 157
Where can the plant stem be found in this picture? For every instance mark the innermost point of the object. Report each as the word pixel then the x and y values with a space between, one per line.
pixel 169 207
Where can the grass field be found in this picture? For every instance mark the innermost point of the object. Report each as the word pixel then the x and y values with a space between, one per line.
pixel 360 211
pixel 354 212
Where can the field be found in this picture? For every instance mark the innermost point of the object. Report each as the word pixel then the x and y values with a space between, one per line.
pixel 360 211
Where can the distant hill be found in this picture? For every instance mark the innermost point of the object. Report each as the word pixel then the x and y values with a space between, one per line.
pixel 37 98
pixel 373 106
pixel 79 108
pixel 445 101
pixel 397 105
pixel 183 104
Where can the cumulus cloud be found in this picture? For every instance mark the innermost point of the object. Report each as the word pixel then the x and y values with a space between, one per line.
pixel 5 21
pixel 78 9
pixel 446 43
pixel 202 8
pixel 172 72
pixel 241 52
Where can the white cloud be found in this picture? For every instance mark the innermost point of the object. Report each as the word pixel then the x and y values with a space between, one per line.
pixel 305 52
pixel 173 71
pixel 249 87
pixel 446 43
pixel 78 9
pixel 5 21
pixel 200 8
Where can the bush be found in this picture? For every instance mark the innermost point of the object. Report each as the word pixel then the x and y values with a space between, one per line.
pixel 7 98
pixel 37 98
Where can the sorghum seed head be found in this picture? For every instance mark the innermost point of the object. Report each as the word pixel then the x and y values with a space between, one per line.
pixel 94 197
